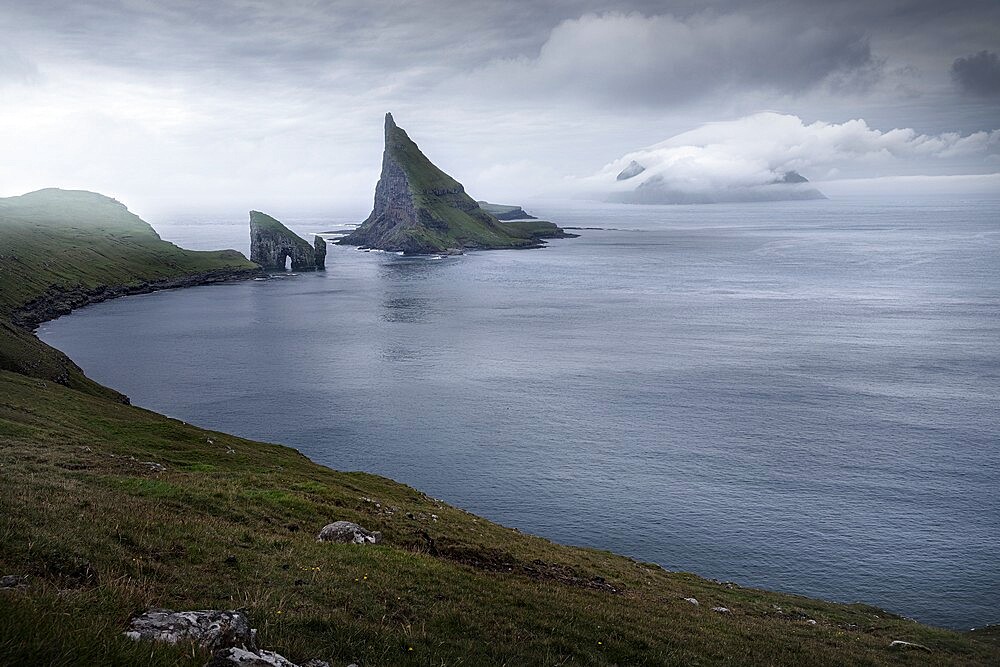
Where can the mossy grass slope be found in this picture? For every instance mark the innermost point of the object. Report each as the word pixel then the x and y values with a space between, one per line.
pixel 110 509
pixel 69 240
pixel 60 249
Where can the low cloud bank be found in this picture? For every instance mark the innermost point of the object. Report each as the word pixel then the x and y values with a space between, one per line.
pixel 768 156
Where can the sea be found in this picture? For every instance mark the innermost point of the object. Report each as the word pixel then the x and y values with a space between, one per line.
pixel 799 396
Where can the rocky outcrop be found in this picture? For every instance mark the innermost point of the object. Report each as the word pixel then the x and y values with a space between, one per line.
pixel 226 633
pixel 319 252
pixel 347 532
pixel 210 629
pixel 633 169
pixel 271 243
pixel 420 209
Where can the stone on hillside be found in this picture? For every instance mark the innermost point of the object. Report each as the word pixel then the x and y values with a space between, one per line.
pixel 721 610
pixel 901 645
pixel 348 532
pixel 210 629
pixel 246 658
pixel 271 243
pixel 693 601
pixel 13 581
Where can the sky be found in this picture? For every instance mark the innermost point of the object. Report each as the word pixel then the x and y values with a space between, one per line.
pixel 239 104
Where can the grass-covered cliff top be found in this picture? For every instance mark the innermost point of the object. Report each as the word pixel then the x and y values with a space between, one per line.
pixel 69 239
pixel 265 223
pixel 110 509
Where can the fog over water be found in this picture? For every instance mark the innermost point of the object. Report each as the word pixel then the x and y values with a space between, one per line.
pixel 799 396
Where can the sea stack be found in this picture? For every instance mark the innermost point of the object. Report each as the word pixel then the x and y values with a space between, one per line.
pixel 271 243
pixel 419 209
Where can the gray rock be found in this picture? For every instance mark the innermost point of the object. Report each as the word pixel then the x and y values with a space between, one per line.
pixel 901 645
pixel 632 170
pixel 247 658
pixel 210 629
pixel 316 662
pixel 692 601
pixel 13 581
pixel 721 610
pixel 348 532
pixel 319 252
pixel 271 243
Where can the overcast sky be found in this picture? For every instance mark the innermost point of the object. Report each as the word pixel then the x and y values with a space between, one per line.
pixel 171 104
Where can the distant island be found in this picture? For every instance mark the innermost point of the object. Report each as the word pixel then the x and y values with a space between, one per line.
pixel 419 209
pixel 656 189
pixel 505 212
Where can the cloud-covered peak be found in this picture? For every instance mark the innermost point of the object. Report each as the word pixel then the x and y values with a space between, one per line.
pixel 760 157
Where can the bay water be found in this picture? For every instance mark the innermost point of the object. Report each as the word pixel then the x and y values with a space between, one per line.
pixel 799 396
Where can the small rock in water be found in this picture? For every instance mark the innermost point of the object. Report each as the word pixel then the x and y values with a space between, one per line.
pixel 246 658
pixel 721 610
pixel 693 601
pixel 348 532
pixel 13 581
pixel 211 629
pixel 899 644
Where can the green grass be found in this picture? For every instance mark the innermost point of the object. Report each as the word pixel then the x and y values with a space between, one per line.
pixel 59 240
pixel 103 533
pixel 223 530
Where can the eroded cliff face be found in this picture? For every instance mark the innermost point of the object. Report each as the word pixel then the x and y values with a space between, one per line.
pixel 420 209
pixel 271 243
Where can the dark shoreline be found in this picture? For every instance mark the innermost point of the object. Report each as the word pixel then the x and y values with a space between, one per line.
pixel 59 301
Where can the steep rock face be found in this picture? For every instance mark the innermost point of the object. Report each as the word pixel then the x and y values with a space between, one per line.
pixel 632 170
pixel 420 209
pixel 319 252
pixel 271 242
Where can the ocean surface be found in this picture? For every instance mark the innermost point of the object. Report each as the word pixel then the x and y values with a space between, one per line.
pixel 799 396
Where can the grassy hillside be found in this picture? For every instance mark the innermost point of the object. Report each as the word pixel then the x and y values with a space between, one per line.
pixel 62 249
pixel 111 509
pixel 58 241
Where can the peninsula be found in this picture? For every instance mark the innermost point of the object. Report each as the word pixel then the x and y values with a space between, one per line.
pixel 111 514
pixel 419 209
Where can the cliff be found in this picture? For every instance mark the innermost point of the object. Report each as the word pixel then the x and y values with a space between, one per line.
pixel 420 209
pixel 271 243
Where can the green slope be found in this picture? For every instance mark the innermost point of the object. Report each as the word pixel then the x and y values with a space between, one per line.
pixel 421 209
pixel 62 249
pixel 104 532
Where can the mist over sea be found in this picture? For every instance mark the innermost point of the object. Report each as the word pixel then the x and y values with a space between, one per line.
pixel 800 396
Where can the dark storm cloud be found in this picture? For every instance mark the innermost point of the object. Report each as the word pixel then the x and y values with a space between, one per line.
pixel 665 60
pixel 692 48
pixel 978 74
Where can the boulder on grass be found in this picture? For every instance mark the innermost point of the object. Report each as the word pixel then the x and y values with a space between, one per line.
pixel 348 533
